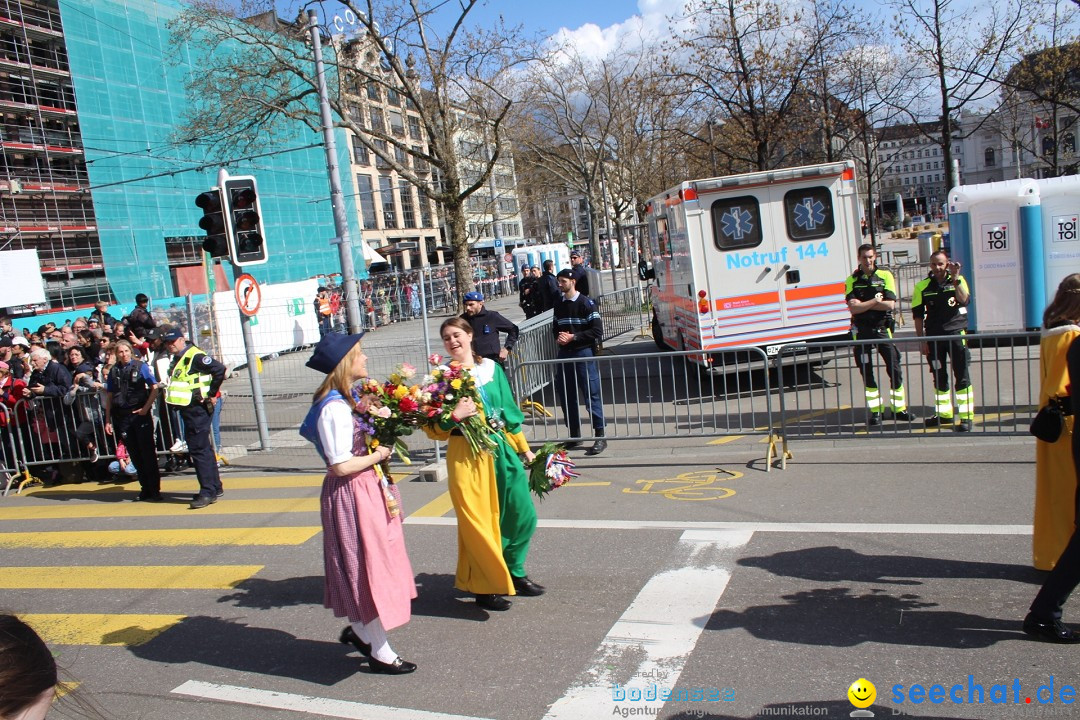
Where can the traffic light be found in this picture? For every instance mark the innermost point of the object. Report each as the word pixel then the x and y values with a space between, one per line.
pixel 213 222
pixel 247 246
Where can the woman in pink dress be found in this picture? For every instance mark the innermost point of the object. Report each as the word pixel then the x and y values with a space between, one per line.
pixel 369 578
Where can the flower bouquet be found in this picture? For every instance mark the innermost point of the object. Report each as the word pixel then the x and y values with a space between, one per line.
pixel 551 468
pixel 392 409
pixel 441 390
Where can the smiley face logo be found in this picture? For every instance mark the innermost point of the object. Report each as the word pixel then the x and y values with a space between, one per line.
pixel 862 693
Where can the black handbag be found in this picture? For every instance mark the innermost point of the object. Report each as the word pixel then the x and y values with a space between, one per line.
pixel 1049 422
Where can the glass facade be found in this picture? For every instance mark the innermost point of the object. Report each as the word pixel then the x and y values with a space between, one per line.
pixel 130 90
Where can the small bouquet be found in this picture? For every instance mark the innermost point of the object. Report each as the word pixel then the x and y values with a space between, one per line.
pixel 441 389
pixel 551 468
pixel 392 409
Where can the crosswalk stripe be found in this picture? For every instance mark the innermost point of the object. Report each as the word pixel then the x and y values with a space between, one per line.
pixel 127 577
pixel 436 508
pixel 188 484
pixel 253 506
pixel 159 538
pixel 99 629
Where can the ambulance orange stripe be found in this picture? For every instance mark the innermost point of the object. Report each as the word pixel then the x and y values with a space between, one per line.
pixel 815 291
pixel 765 298
pixel 788 336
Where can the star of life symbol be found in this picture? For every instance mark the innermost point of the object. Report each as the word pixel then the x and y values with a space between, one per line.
pixel 809 213
pixel 737 223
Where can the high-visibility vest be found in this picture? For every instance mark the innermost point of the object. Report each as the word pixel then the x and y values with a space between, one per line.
pixel 324 306
pixel 183 383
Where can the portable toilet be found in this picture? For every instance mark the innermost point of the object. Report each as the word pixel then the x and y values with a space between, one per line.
pixel 1060 202
pixel 996 235
pixel 537 254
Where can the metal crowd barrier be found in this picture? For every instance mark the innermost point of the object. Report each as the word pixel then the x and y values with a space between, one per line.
pixel 535 343
pixel 620 311
pixel 907 276
pixel 822 393
pixel 658 395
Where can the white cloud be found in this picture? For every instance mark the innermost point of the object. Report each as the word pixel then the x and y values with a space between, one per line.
pixel 648 27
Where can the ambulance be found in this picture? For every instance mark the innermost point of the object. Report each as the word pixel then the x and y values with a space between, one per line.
pixel 758 259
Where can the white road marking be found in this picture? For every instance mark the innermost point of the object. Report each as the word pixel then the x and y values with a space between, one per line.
pixel 788 527
pixel 327 707
pixel 650 643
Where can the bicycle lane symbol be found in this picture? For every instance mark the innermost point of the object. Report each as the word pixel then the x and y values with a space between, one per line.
pixel 693 486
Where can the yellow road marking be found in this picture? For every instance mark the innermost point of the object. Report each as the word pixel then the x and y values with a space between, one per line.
pixel 726 439
pixel 104 510
pixel 97 629
pixel 436 508
pixel 160 538
pixel 575 483
pixel 129 577
pixel 190 485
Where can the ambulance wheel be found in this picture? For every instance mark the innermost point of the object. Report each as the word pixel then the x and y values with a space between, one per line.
pixel 658 334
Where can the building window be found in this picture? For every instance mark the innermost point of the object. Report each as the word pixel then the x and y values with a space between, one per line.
pixel 377 124
pixel 367 202
pixel 989 157
pixel 360 153
pixel 401 156
pixel 508 206
pixel 425 209
pixel 373 90
pixel 408 214
pixel 414 128
pixel 397 126
pixel 1068 144
pixel 386 192
pixel 1048 146
pixel 392 97
pixel 511 229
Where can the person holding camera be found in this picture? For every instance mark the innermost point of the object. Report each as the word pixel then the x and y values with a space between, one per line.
pixel 194 381
pixel 490 491
pixel 939 306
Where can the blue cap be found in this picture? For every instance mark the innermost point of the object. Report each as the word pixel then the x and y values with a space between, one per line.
pixel 171 335
pixel 331 350
pixel 474 295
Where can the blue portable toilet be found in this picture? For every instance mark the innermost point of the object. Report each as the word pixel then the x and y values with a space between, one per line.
pixel 996 234
pixel 1059 200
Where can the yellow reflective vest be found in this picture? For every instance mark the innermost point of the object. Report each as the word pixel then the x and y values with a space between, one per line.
pixel 183 382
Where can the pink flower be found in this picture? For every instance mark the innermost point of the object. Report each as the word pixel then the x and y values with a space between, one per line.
pixel 434 358
pixel 407 371
pixel 383 412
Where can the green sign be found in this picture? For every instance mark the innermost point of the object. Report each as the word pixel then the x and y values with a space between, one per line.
pixel 570 238
pixel 297 306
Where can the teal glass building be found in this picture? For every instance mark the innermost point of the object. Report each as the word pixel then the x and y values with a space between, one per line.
pixel 129 83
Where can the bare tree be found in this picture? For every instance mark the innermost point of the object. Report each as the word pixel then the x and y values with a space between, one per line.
pixel 260 80
pixel 958 53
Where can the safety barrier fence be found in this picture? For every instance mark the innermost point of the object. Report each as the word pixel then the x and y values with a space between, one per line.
pixel 621 311
pixel 907 276
pixel 535 342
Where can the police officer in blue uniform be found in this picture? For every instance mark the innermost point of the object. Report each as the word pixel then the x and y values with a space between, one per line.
pixel 578 331
pixel 486 325
pixel 131 391
pixel 194 381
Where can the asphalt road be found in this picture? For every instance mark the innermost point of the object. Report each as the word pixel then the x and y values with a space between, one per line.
pixel 670 565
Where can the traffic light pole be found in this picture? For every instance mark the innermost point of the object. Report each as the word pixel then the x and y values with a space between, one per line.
pixel 249 351
pixel 337 197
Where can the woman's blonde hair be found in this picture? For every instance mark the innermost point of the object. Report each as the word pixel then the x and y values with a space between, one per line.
pixel 338 378
pixel 1064 309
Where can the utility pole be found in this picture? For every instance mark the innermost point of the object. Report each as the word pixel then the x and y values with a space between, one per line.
pixel 337 197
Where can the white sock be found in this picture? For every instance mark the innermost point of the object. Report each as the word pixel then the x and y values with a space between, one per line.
pixel 374 635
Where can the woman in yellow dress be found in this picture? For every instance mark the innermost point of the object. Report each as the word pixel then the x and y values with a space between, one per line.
pixel 481 568
pixel 1055 474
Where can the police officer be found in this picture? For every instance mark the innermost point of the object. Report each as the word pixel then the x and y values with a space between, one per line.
pixel 547 288
pixel 939 306
pixel 525 289
pixel 871 296
pixel 578 330
pixel 131 391
pixel 581 275
pixel 486 325
pixel 194 380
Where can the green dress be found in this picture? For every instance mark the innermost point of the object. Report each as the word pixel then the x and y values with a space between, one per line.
pixel 517 514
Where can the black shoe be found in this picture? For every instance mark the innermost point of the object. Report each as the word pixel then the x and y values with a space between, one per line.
pixel 524 586
pixel 218 495
pixel 598 447
pixel 903 415
pixel 493 602
pixel 963 426
pixel 1053 631
pixel 572 445
pixel 202 501
pixel 935 421
pixel 349 637
pixel 142 497
pixel 875 419
pixel 398 667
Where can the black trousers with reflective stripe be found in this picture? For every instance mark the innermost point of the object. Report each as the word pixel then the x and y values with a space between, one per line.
pixel 200 449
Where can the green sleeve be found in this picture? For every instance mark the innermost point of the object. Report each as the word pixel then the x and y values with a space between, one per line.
pixel 916 299
pixel 890 285
pixel 511 412
pixel 849 286
pixel 961 282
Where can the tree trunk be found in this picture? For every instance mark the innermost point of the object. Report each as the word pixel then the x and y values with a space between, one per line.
pixel 455 221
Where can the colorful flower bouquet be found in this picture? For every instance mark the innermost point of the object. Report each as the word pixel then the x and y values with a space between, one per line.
pixel 441 390
pixel 550 469
pixel 392 410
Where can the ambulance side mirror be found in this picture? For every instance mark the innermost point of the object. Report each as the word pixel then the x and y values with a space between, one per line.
pixel 645 270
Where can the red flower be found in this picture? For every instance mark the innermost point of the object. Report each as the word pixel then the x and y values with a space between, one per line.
pixel 407 404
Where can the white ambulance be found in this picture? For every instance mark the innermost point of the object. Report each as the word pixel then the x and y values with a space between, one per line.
pixel 758 259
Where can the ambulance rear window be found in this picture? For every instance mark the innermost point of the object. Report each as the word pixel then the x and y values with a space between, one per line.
pixel 736 222
pixel 808 213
